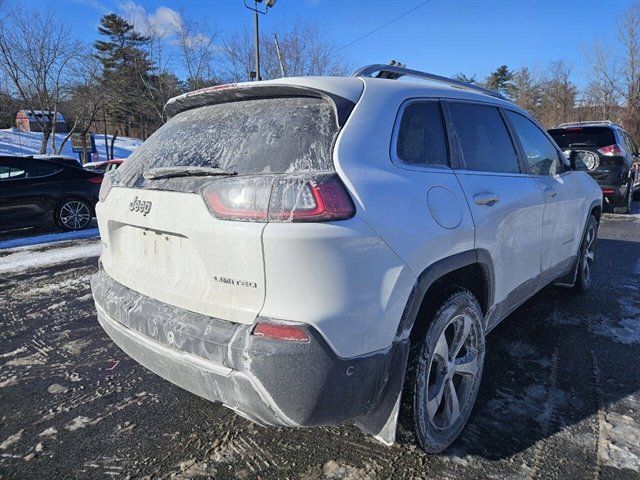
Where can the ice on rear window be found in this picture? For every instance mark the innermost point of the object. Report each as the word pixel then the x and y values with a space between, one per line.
pixel 271 135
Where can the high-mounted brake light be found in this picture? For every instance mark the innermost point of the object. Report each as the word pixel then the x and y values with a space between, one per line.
pixel 611 150
pixel 283 332
pixel 279 198
pixel 608 191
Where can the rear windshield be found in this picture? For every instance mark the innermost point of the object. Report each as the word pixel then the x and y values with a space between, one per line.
pixel 583 137
pixel 271 135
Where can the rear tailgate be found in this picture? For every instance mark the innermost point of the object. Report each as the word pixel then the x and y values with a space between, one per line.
pixel 180 254
pixel 162 240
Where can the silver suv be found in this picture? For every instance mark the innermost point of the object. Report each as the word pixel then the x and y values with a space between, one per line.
pixel 315 251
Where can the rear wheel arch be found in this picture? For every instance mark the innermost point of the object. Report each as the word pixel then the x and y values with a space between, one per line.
pixel 471 270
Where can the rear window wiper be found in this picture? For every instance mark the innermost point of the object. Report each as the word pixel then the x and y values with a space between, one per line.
pixel 186 171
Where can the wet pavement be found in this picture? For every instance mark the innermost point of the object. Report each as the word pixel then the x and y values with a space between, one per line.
pixel 560 396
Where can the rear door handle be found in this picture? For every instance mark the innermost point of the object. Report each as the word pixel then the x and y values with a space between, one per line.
pixel 550 192
pixel 486 198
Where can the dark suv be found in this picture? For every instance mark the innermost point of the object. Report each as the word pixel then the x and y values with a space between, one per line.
pixel 608 154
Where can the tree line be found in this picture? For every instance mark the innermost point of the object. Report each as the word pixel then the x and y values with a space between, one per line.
pixel 119 84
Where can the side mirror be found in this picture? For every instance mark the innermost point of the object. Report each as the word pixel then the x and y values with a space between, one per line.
pixel 582 160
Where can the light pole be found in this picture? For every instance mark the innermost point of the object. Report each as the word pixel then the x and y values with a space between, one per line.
pixel 268 4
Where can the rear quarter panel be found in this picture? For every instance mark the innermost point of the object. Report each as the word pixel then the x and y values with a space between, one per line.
pixel 398 201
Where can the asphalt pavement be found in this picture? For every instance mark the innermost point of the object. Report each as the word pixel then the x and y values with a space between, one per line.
pixel 560 396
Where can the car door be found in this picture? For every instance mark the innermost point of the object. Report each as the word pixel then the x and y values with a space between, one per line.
pixel 506 206
pixel 12 206
pixel 26 195
pixel 565 204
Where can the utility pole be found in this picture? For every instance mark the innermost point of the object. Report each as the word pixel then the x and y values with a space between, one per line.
pixel 268 4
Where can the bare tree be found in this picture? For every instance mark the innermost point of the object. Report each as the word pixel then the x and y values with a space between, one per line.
pixel 36 53
pixel 628 74
pixel 197 51
pixel 614 90
pixel 558 95
pixel 303 48
pixel 85 100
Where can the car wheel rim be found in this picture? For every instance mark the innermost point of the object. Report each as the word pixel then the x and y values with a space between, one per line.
pixel 589 253
pixel 75 214
pixel 453 368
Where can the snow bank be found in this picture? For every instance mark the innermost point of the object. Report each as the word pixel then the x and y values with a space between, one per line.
pixel 25 258
pixel 48 238
pixel 17 142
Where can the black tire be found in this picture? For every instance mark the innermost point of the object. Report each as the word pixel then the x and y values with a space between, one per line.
pixel 584 277
pixel 73 214
pixel 428 373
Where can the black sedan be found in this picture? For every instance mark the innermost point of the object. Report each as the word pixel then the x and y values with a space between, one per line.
pixel 35 191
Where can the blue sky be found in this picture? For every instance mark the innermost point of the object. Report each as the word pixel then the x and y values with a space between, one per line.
pixel 443 36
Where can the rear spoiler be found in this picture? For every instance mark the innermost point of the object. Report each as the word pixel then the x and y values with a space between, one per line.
pixel 239 92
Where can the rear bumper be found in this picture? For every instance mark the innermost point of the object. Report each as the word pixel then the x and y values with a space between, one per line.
pixel 270 382
pixel 614 193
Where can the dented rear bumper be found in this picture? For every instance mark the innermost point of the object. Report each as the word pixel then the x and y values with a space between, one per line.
pixel 268 381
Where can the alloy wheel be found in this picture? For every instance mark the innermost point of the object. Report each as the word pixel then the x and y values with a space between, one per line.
pixel 589 253
pixel 75 214
pixel 453 367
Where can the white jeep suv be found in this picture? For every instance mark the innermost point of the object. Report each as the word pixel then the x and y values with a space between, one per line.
pixel 315 251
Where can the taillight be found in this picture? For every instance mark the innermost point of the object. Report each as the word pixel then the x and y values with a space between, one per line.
pixel 95 180
pixel 283 198
pixel 611 150
pixel 279 331
pixel 608 191
pixel 239 198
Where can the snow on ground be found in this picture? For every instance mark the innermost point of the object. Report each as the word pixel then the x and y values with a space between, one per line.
pixel 23 258
pixel 48 238
pixel 16 142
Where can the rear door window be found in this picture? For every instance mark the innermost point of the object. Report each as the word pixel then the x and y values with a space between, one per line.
pixel 421 138
pixel 590 137
pixel 483 138
pixel 11 172
pixel 40 169
pixel 631 148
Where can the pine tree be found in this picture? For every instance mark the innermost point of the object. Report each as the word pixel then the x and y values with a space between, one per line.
pixel 125 71
pixel 500 80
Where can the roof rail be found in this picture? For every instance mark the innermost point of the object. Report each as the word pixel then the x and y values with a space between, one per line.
pixel 589 122
pixel 394 72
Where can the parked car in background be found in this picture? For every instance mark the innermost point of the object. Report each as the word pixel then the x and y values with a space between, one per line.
pixel 608 153
pixel 104 166
pixel 300 249
pixel 35 191
pixel 71 161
